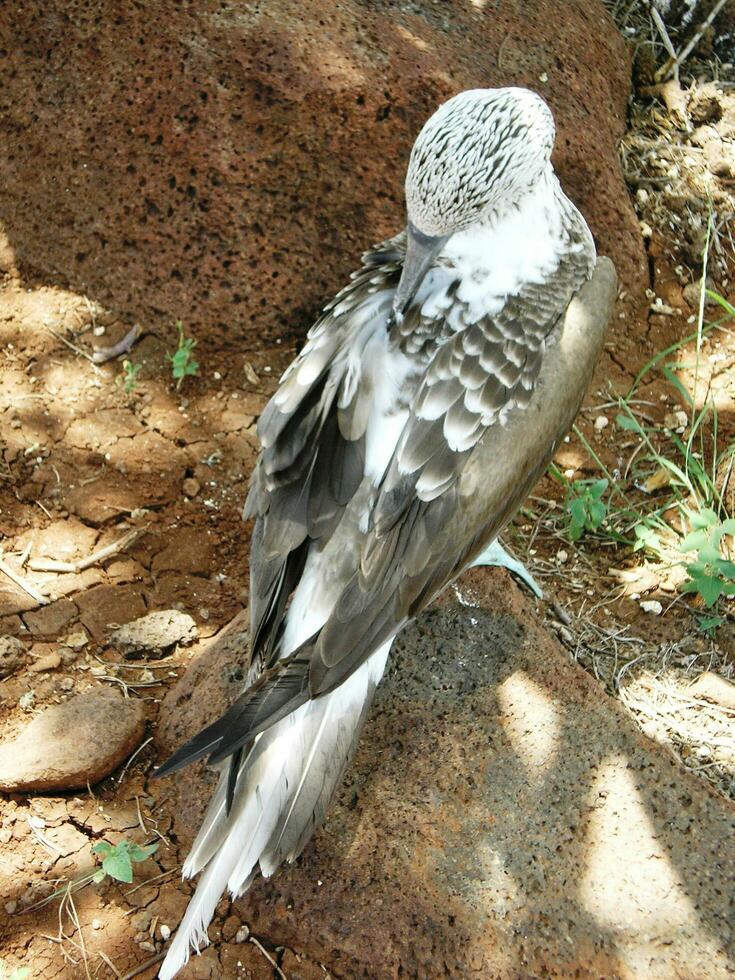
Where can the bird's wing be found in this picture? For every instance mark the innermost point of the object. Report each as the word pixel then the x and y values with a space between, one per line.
pixel 487 368
pixel 486 371
pixel 313 437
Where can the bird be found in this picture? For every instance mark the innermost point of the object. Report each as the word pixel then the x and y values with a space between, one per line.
pixel 427 400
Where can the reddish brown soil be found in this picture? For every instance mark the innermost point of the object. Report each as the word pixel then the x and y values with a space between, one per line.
pixel 224 168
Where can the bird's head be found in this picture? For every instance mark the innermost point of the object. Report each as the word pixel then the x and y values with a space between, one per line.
pixel 480 153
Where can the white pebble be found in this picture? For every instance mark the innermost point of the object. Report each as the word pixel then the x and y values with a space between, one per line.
pixel 601 422
pixel 652 606
pixel 165 932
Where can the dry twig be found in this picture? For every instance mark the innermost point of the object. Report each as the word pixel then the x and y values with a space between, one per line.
pixel 23 583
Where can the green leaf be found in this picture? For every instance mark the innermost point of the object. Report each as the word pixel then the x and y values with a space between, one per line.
pixel 578 510
pixel 694 541
pixel 728 526
pixel 596 514
pixel 715 297
pixel 98 876
pixel 668 372
pixel 629 423
pixel 598 488
pixel 708 624
pixel 102 848
pixel 138 853
pixel 118 865
pixel 705 517
pixel 709 587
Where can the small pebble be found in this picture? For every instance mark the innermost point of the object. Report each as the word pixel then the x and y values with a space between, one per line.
pixel 601 422
pixel 652 606
pixel 76 640
pixel 25 701
pixel 50 662
pixel 165 932
pixel 11 907
pixel 242 934
pixel 191 487
pixel 96 924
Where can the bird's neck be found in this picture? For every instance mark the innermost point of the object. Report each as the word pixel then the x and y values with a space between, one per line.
pixel 521 243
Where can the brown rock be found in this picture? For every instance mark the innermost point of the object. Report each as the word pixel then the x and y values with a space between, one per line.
pixel 705 104
pixel 191 487
pixel 720 159
pixel 13 655
pixel 71 744
pixel 715 688
pixel 13 599
pixel 106 605
pixel 52 619
pixel 104 499
pixel 502 818
pixel 239 175
pixel 48 661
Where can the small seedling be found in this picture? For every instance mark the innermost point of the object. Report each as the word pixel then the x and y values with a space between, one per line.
pixel 711 574
pixel 117 863
pixel 182 361
pixel 118 859
pixel 130 376
pixel 585 507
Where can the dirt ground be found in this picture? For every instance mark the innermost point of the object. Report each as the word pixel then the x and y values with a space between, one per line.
pixel 83 462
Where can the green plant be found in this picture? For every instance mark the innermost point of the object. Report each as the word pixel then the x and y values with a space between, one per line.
pixel 130 376
pixel 584 506
pixel 182 360
pixel 118 859
pixel 117 863
pixel 711 574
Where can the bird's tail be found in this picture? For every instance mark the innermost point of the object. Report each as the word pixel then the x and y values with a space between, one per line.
pixel 286 780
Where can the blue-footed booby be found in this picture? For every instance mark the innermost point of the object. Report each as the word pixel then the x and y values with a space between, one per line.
pixel 427 400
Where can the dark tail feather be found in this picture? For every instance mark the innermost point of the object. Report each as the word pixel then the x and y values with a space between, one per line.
pixel 276 693
pixel 233 773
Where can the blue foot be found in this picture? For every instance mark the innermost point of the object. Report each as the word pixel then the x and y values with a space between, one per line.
pixel 495 554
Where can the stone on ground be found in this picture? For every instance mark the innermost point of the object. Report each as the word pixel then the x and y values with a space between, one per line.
pixel 13 655
pixel 72 744
pixel 503 817
pixel 155 631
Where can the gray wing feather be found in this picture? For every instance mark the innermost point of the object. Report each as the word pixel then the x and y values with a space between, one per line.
pixel 312 436
pixel 475 376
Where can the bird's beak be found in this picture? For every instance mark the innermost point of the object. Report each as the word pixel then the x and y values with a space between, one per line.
pixel 421 250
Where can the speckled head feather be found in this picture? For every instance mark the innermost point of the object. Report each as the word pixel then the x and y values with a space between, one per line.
pixel 480 151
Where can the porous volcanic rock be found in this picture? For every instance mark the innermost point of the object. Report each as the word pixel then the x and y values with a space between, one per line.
pixel 154 631
pixel 226 163
pixel 502 818
pixel 72 744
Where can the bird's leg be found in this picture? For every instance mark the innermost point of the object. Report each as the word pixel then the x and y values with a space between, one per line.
pixel 495 554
